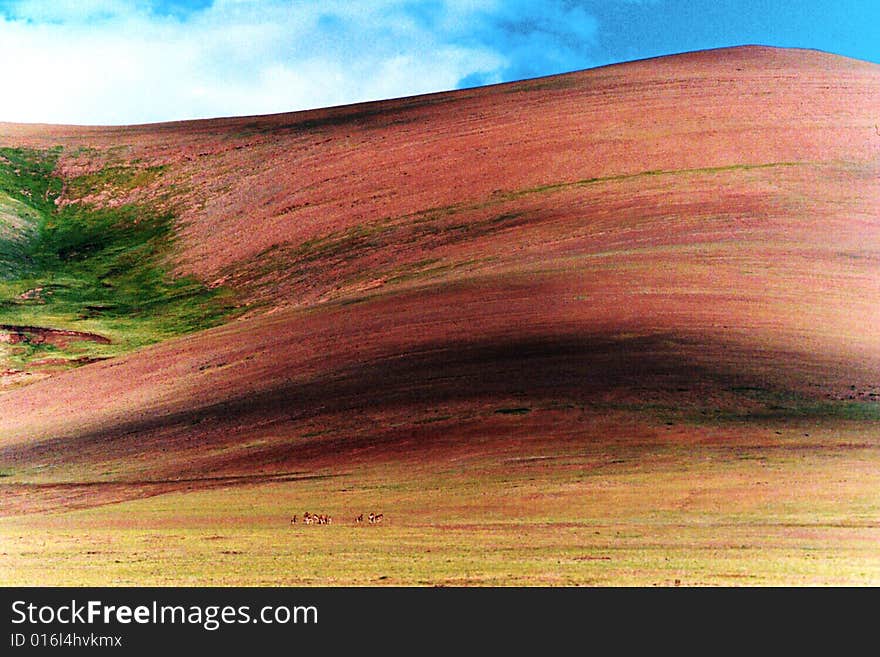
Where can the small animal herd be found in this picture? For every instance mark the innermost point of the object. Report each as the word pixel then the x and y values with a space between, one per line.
pixel 321 519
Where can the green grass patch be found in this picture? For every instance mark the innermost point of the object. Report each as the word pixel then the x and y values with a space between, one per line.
pixel 18 224
pixel 96 270
pixel 806 410
pixel 121 178
pixel 27 176
pixel 519 410
pixel 769 405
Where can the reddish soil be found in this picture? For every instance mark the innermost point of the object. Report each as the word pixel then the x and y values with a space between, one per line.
pixel 661 234
pixel 13 334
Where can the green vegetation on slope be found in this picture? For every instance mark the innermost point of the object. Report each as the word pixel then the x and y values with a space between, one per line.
pixel 95 270
pixel 18 223
pixel 120 178
pixel 27 175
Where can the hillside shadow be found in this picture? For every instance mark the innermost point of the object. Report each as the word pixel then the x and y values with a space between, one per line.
pixel 657 374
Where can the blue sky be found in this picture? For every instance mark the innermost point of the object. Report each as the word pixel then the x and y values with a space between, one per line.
pixel 120 61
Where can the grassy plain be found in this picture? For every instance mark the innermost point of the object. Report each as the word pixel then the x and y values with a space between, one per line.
pixel 625 502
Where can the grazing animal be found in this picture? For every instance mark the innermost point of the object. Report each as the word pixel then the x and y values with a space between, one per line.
pixel 293 520
pixel 376 518
pixel 379 517
pixel 315 519
pixel 359 519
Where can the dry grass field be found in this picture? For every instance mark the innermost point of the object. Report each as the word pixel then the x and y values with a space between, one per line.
pixel 619 502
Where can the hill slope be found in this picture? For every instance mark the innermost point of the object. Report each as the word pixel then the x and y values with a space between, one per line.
pixel 685 242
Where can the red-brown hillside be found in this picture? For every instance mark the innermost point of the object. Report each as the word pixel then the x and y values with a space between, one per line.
pixel 698 232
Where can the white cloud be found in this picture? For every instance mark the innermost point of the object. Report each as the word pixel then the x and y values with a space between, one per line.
pixel 115 62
